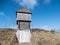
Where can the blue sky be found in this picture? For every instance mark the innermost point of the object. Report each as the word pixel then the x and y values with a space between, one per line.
pixel 45 13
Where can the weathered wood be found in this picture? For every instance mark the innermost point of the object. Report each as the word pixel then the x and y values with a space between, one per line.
pixel 22 16
pixel 24 25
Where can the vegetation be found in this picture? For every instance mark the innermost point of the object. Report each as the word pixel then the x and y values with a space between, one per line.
pixel 38 37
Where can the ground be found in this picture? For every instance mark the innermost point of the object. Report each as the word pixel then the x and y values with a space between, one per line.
pixel 38 37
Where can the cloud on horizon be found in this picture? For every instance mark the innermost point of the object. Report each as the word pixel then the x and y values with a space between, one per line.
pixel 45 28
pixel 13 27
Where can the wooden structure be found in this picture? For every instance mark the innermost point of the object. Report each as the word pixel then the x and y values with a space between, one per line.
pixel 23 19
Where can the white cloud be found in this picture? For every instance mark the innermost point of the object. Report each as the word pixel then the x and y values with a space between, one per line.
pixel 46 1
pixel 13 27
pixel 27 3
pixel 45 28
pixel 2 13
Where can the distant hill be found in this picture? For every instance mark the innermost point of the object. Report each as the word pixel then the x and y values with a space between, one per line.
pixel 5 29
pixel 38 37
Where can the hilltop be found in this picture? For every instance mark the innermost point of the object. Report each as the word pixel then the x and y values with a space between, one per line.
pixel 39 37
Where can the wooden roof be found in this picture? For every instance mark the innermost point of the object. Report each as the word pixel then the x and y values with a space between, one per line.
pixel 24 10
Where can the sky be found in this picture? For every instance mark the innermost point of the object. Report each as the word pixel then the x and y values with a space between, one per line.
pixel 45 13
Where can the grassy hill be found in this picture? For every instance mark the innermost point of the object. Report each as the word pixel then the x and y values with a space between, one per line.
pixel 38 37
pixel 7 36
pixel 42 37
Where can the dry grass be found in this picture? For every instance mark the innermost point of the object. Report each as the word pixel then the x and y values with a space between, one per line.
pixel 39 37
pixel 6 37
pixel 45 38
